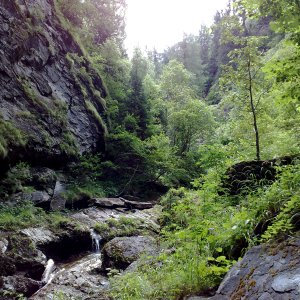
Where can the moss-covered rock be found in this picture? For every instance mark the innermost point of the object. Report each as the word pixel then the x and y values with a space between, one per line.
pixel 61 113
pixel 120 252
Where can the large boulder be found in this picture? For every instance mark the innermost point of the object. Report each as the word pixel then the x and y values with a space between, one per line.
pixel 267 272
pixel 120 252
pixel 25 257
pixel 108 202
pixel 20 285
pixel 42 178
pixel 40 236
pixel 248 175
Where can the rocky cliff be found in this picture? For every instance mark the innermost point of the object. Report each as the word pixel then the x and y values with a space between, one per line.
pixel 52 103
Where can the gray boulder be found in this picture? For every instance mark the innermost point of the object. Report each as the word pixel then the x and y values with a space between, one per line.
pixel 108 202
pixel 120 252
pixel 40 236
pixel 137 205
pixel 20 284
pixel 267 272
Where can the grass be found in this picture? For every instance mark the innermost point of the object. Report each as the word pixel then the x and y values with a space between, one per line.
pixel 203 233
pixel 9 135
pixel 124 226
pixel 26 215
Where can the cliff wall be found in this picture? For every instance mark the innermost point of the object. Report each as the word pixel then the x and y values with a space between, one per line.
pixel 52 105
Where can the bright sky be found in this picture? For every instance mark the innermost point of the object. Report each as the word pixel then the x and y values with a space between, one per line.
pixel 161 23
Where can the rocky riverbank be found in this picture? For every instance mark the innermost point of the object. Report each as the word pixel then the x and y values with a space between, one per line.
pixel 77 266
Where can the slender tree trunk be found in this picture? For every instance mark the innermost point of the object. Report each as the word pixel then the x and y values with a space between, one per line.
pixel 253 112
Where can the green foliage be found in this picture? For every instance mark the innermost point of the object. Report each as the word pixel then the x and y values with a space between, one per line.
pixel 90 107
pixel 124 226
pixel 15 179
pixel 176 83
pixel 25 215
pixel 190 125
pixel 11 294
pixel 203 232
pixel 9 136
pixel 89 179
pixel 285 197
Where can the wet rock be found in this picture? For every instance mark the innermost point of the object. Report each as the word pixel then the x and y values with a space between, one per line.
pixel 80 280
pixel 265 272
pixel 41 199
pixel 20 284
pixel 58 200
pixel 120 252
pixel 91 216
pixel 40 236
pixel 3 245
pixel 109 202
pixel 69 240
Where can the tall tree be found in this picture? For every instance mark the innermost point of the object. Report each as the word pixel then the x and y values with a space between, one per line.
pixel 138 104
pixel 244 83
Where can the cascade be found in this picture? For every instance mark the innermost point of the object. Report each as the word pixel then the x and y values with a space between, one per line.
pixel 96 238
pixel 47 275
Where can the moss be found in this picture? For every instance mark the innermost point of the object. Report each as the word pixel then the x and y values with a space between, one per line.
pixel 59 113
pixel 9 135
pixel 81 74
pixel 68 144
pixel 91 108
pixel 32 95
pixel 26 115
pixel 119 227
pixel 26 215
pixel 69 28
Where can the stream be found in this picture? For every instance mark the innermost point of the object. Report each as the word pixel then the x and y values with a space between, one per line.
pixel 77 279
pixel 81 276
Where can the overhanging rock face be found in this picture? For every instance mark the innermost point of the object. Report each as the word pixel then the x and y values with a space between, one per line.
pixel 50 93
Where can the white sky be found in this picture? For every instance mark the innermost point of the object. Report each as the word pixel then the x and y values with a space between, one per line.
pixel 161 23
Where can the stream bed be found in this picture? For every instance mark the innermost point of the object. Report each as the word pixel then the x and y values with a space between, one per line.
pixel 82 276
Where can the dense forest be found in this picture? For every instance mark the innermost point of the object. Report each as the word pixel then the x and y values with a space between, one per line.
pixel 208 129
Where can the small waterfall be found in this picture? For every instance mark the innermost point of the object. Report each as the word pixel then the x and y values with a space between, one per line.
pixel 47 275
pixel 96 239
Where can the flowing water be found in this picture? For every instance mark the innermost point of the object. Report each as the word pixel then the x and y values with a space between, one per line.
pixel 82 277
pixel 48 273
pixel 96 239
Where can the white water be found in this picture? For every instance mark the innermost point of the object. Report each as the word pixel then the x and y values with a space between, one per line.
pixel 47 275
pixel 96 239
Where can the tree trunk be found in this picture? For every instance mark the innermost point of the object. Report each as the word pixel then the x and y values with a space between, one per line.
pixel 253 112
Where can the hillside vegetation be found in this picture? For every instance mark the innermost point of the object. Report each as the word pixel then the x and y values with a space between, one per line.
pixel 173 123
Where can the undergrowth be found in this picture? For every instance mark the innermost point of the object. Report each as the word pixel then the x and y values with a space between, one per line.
pixel 205 232
pixel 124 226
pixel 26 215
